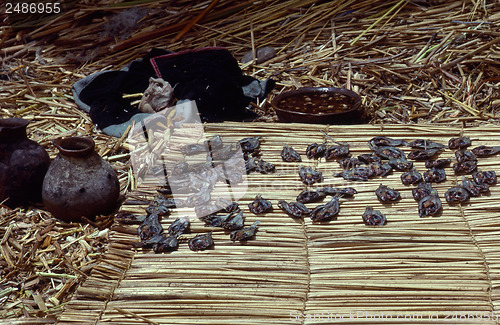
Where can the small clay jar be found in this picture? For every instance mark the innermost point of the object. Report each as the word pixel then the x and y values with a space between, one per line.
pixel 79 183
pixel 23 164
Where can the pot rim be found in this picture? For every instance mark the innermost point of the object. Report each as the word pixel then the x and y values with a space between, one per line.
pixel 75 146
pixel 308 90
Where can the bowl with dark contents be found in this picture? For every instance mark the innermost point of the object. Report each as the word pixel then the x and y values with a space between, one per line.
pixel 323 105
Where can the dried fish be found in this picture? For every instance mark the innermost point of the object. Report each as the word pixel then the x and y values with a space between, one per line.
pixel 486 151
pixel 434 175
pixel 337 151
pixel 456 194
pixel 465 155
pixel 356 174
pixel 341 192
pixel 465 167
pixel 310 176
pixel 387 194
pixel 380 169
pixel 485 177
pixel 327 211
pixel 426 144
pixel 423 154
pixel 235 223
pixel 459 143
pixel 373 217
pixel 348 163
pixel 429 205
pixel 294 209
pixel 422 190
pixel 311 196
pixel 411 177
pixel 388 152
pixel 201 242
pixel 474 188
pixel 380 141
pixel 179 226
pixel 150 227
pixel 245 233
pixel 315 151
pixel 289 154
pixel 260 205
pixel 440 163
pixel 249 145
pixel 166 244
pixel 401 164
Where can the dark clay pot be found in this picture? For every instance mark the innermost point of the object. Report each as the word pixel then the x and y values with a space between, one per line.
pixel 23 164
pixel 79 183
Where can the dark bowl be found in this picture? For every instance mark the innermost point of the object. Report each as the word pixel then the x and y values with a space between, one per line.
pixel 323 105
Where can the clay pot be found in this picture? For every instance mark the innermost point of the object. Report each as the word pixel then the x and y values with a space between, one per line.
pixel 23 164
pixel 79 183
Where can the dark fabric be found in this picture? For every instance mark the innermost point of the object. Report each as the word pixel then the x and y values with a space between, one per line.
pixel 210 76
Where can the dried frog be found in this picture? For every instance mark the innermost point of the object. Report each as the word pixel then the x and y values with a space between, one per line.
pixel 201 242
pixel 315 151
pixel 310 176
pixel 434 175
pixel 373 217
pixel 294 209
pixel 456 194
pixel 426 144
pixel 387 194
pixel 429 205
pixel 486 151
pixel 260 205
pixel 356 174
pixel 289 154
pixel 326 211
pixel 337 151
pixel 381 141
pixel 179 226
pixel 411 177
pixel 245 233
pixel 310 196
pixel 422 190
pixel 439 163
pixel 150 227
pixel 485 177
pixel 459 143
pixel 235 223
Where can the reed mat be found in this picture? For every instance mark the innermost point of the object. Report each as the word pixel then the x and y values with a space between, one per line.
pixel 437 270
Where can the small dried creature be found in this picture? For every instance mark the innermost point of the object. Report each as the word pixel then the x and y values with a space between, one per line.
pixel 368 158
pixel 356 174
pixel 289 154
pixel 250 145
pixel 150 227
pixel 465 155
pixel 158 96
pixel 429 205
pixel 201 242
pixel 294 209
pixel 465 167
pixel 459 143
pixel 260 205
pixel 245 233
pixel 166 244
pixel 310 176
pixel 340 192
pixel 235 223
pixel 440 163
pixel 380 141
pixel 411 177
pixel 337 151
pixel 160 206
pixel 327 211
pixel 474 188
pixel 265 167
pixel 348 163
pixel 315 151
pixel 380 169
pixel 387 194
pixel 373 217
pixel 485 177
pixel 434 175
pixel 456 194
pixel 311 196
pixel 401 164
pixel 423 154
pixel 214 220
pixel 422 190
pixel 486 151
pixel 388 152
pixel 179 226
pixel 426 144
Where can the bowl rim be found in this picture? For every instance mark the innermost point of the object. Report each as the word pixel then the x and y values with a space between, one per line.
pixel 305 90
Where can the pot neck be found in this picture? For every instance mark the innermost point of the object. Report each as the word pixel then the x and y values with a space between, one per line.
pixel 79 147
pixel 13 129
